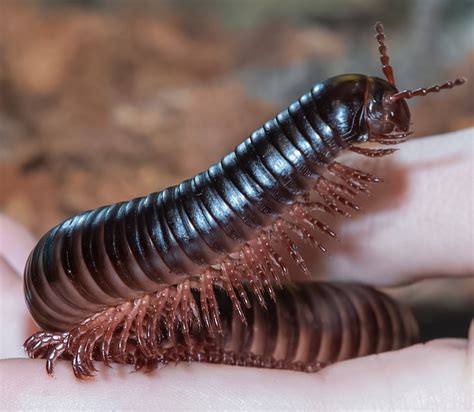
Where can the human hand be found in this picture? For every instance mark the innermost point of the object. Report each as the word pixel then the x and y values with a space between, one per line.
pixel 418 224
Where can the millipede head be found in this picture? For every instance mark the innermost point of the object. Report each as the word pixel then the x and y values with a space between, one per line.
pixel 388 113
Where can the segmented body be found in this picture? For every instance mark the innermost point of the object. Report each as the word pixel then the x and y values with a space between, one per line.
pixel 311 325
pixel 105 283
pixel 308 327
pixel 104 256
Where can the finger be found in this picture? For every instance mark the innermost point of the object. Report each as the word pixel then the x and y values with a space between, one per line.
pixel 428 377
pixel 15 243
pixel 418 223
pixel 15 321
pixel 14 317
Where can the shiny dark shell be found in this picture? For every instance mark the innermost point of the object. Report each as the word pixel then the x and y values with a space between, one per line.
pixel 103 256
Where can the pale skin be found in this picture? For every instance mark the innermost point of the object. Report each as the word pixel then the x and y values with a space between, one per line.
pixel 416 225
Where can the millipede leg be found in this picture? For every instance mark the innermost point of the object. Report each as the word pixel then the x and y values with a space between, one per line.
pixel 212 353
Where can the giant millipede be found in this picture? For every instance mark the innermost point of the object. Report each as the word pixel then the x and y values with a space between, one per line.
pixel 194 272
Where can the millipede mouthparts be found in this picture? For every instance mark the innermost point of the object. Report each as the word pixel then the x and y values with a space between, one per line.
pixel 195 272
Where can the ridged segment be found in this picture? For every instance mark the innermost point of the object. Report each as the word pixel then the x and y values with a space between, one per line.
pixel 320 322
pixel 118 252
pixel 307 327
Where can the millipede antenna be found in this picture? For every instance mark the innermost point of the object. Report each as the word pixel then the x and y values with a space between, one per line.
pixel 422 91
pixel 384 57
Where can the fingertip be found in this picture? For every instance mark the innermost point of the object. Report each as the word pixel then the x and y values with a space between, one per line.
pixel 426 376
pixel 16 242
pixel 14 317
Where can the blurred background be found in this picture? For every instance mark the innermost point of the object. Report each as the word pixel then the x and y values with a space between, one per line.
pixel 106 100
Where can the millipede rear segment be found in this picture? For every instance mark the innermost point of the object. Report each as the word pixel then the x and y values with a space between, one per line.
pixel 93 275
pixel 309 326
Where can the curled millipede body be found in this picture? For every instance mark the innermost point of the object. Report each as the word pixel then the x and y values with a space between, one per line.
pixel 96 276
pixel 313 325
